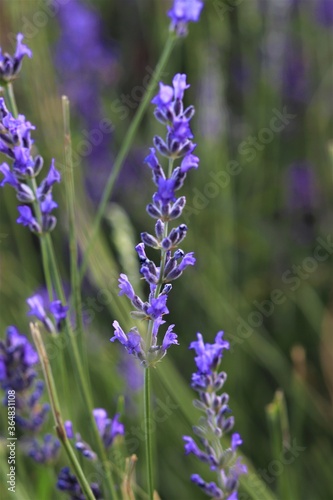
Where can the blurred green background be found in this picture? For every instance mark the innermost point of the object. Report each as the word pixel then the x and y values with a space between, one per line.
pixel 258 208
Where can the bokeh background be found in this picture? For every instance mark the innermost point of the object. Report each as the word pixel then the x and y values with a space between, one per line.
pixel 258 208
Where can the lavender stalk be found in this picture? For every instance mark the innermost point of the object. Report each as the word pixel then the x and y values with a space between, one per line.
pixel 16 143
pixel 214 423
pixel 182 12
pixel 54 401
pixel 165 208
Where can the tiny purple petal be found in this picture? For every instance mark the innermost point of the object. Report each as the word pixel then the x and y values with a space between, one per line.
pixel 236 441
pixel 126 287
pixel 21 48
pixel 188 162
pixel 169 338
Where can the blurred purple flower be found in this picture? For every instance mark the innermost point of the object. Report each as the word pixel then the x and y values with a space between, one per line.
pixel 324 12
pixel 301 187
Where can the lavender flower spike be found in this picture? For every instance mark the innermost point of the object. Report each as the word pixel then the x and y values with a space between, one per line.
pixel 108 428
pixel 165 207
pixel 10 65
pixel 208 381
pixel 16 143
pixel 68 483
pixel 38 309
pixel 183 12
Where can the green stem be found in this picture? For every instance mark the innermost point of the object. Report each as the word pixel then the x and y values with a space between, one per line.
pixel 73 248
pixel 124 149
pixel 149 452
pixel 9 95
pixel 81 377
pixel 54 401
pixel 50 265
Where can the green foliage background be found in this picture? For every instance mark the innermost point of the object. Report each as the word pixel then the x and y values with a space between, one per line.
pixel 244 235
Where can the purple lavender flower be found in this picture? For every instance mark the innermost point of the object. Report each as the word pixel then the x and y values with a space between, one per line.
pixel 132 341
pixel 10 66
pixel 45 452
pixel 17 358
pixel 83 58
pixel 183 12
pixel 207 381
pixel 302 199
pixel 165 207
pixel 108 428
pixel 17 372
pixel 324 12
pixel 295 81
pixel 87 64
pixel 68 483
pixel 37 309
pixel 16 144
pixel 131 373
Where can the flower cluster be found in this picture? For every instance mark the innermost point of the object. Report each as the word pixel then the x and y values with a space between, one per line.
pixel 165 207
pixel 108 429
pixel 58 311
pixel 68 483
pixel 16 144
pixel 183 12
pixel 11 65
pixel 207 381
pixel 17 373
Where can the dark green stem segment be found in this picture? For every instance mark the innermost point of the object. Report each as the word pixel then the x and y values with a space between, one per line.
pixel 147 416
pixel 73 246
pixel 54 401
pixel 124 149
pixel 10 99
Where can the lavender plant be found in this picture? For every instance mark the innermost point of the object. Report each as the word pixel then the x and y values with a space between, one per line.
pixel 207 381
pixel 18 379
pixel 150 347
pixel 10 66
pixel 165 207
pixel 16 143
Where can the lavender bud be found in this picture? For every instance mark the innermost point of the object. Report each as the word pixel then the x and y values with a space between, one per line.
pixel 228 424
pixel 166 244
pixel 177 208
pixel 166 289
pixel 224 398
pixel 170 266
pixel 169 115
pixel 186 148
pixel 217 402
pixel 199 431
pixel 199 405
pixel 160 116
pixel 25 194
pixel 160 146
pixel 178 107
pixel 189 113
pixel 149 240
pixel 137 302
pixel 153 211
pixel 166 210
pixel 69 429
pixel 179 254
pixel 48 223
pixel 159 229
pixel 38 165
pixel 174 146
